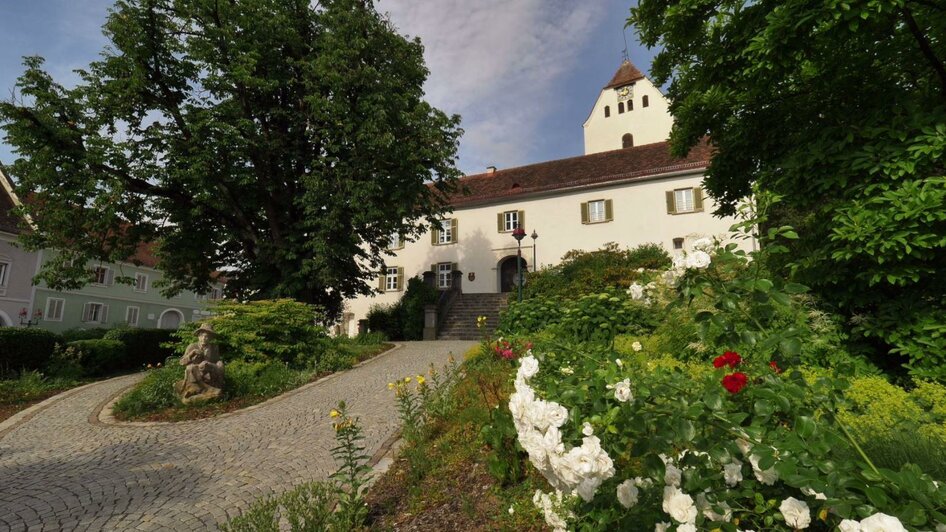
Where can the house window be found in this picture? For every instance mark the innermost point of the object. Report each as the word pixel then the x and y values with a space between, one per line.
pixel 95 313
pixel 4 273
pixel 510 220
pixel 620 107
pixel 630 105
pixel 627 141
pixel 446 233
pixel 141 282
pixel 596 211
pixel 444 275
pixel 683 199
pixel 645 101
pixel 391 284
pixel 607 111
pixel 131 316
pixel 54 309
pixel 677 243
pixel 395 241
pixel 100 275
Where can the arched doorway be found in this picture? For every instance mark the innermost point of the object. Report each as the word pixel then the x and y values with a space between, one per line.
pixel 507 273
pixel 170 319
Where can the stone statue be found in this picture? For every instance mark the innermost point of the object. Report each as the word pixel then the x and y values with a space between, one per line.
pixel 203 369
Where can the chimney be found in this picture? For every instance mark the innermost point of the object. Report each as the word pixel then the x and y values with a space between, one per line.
pixel 490 169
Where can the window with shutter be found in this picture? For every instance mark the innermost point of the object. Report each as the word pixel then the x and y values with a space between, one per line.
pixel 4 273
pixel 444 275
pixel 598 211
pixel 510 220
pixel 400 278
pixel 141 282
pixel 131 316
pixel 54 309
pixel 584 212
pixel 391 284
pixel 100 276
pixel 447 232
pixel 683 199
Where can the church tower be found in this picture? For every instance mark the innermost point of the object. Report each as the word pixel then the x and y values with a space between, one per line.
pixel 630 111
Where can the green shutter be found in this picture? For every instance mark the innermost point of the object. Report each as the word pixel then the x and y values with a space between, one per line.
pixel 671 205
pixel 584 212
pixel 608 210
pixel 454 230
pixel 697 199
pixel 454 266
pixel 400 278
pixel 381 281
pixel 433 268
pixel 522 219
pixel 434 236
pixel 500 223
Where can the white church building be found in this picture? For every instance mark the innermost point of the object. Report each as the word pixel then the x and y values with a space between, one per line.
pixel 626 188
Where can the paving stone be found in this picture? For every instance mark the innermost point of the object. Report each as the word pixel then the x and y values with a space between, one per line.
pixel 61 471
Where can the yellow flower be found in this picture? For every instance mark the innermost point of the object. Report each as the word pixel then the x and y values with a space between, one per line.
pixel 407 379
pixel 334 413
pixel 823 514
pixel 390 385
pixel 421 380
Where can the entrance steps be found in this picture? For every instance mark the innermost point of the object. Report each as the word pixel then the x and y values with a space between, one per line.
pixel 460 323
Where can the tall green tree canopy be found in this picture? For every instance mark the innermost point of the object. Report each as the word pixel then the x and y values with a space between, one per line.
pixel 280 141
pixel 839 106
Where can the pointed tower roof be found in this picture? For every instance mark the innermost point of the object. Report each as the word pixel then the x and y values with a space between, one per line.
pixel 627 73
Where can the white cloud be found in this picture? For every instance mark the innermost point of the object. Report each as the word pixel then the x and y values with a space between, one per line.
pixel 496 62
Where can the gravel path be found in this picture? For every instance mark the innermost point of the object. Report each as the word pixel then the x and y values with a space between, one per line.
pixel 62 469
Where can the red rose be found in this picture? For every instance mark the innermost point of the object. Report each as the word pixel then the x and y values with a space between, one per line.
pixel 775 367
pixel 735 382
pixel 729 358
pixel 528 345
pixel 508 354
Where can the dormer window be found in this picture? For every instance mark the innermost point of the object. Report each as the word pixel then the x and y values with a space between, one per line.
pixel 620 107
pixel 645 101
pixel 627 141
pixel 607 111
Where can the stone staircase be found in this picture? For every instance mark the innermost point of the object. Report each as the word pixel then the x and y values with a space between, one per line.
pixel 460 323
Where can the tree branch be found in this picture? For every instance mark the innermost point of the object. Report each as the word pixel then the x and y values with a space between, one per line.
pixel 926 48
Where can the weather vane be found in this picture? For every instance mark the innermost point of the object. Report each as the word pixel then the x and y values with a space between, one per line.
pixel 624 34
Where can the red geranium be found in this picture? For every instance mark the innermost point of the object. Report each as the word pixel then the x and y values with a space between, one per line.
pixel 729 358
pixel 735 382
pixel 775 367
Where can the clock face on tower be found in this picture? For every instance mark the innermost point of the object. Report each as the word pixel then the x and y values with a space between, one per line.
pixel 624 93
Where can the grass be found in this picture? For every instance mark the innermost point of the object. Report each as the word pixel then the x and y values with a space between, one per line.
pixel 29 388
pixel 443 481
pixel 245 384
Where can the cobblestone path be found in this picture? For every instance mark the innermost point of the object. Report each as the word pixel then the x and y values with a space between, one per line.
pixel 63 470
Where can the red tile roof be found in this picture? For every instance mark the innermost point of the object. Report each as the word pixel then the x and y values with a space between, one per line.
pixel 627 73
pixel 587 170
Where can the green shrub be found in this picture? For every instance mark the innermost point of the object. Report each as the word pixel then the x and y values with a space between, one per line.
pixel 417 296
pixel 337 357
pixel 155 392
pixel 99 357
pixel 306 507
pixel 260 331
pixel 143 346
pixel 650 256
pixel 386 320
pixel 25 348
pixel 29 386
pixel 877 407
pixel 71 335
pixel 259 379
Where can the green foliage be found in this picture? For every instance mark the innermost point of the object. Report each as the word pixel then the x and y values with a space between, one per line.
pixel 99 357
pixel 260 331
pixel 596 317
pixel 583 272
pixel 305 508
pixel 154 393
pixel 258 379
pixel 417 296
pixel 142 346
pixel 25 348
pixel 878 408
pixel 96 333
pixel 30 386
pixel 275 112
pixel 857 156
pixel 353 470
pixel 386 320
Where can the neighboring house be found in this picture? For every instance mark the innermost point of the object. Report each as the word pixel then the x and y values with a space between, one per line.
pixel 102 303
pixel 627 189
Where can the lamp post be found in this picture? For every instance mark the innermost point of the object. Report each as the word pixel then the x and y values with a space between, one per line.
pixel 535 236
pixel 519 233
pixel 27 321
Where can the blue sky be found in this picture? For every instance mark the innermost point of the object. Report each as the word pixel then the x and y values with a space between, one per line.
pixel 522 73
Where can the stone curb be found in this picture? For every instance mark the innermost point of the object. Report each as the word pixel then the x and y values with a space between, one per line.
pixel 102 414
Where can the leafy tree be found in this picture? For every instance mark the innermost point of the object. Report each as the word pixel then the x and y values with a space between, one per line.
pixel 282 141
pixel 839 106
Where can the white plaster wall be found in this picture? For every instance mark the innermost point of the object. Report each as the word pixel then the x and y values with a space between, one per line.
pixel 640 216
pixel 16 294
pixel 647 124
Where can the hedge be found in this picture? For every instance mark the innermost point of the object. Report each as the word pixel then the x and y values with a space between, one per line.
pixel 142 346
pixel 26 348
pixel 99 357
pixel 71 335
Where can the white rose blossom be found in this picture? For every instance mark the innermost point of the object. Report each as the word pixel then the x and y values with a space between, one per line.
pixel 672 475
pixel 619 362
pixel 587 429
pixel 732 473
pixel 768 476
pixel 704 506
pixel 661 527
pixel 627 493
pixel 679 505
pixel 812 493
pixel 528 367
pixel 622 391
pixel 698 260
pixel 704 244
pixel 849 525
pixel 882 523
pixel 796 513
pixel 636 346
pixel 636 291
pixel 550 509
pixel 686 527
pixel 567 370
